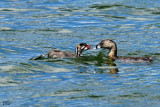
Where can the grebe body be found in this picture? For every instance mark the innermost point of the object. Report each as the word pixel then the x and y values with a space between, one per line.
pixel 112 47
pixel 62 54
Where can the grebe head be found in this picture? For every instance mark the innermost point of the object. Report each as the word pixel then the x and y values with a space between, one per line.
pixel 81 48
pixel 107 43
pixel 111 45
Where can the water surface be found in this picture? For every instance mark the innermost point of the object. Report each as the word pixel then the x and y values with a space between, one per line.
pixel 29 28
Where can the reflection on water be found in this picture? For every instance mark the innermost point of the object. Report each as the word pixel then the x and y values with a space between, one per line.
pixel 31 28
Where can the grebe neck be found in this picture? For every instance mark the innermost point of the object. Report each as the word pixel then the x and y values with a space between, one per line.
pixel 113 52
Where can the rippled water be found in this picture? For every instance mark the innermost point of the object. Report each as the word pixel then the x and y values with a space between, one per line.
pixel 29 28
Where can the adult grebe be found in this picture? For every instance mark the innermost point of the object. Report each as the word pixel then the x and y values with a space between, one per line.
pixel 62 54
pixel 111 45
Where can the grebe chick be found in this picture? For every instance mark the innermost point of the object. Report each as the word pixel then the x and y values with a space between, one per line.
pixel 111 45
pixel 62 54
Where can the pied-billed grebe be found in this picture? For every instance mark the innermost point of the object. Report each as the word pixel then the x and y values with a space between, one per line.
pixel 111 45
pixel 62 54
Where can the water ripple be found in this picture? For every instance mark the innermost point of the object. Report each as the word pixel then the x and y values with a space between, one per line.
pixel 30 28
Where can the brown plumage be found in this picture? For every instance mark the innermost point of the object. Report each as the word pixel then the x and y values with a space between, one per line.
pixel 62 54
pixel 111 45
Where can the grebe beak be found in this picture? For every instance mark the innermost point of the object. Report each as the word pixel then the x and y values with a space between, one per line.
pixel 89 46
pixel 98 46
